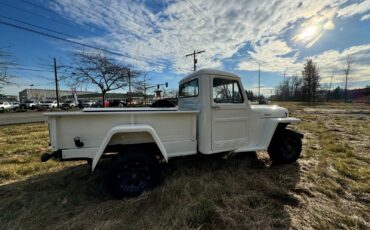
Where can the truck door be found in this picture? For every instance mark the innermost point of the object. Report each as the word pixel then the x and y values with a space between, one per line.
pixel 229 114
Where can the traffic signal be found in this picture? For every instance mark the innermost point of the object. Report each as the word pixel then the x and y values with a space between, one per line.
pixel 166 84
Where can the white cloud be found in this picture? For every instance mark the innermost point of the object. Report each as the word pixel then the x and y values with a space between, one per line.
pixel 333 60
pixel 354 9
pixel 219 27
pixel 156 39
pixel 365 17
pixel 272 56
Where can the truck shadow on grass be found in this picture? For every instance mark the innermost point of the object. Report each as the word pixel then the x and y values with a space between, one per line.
pixel 217 192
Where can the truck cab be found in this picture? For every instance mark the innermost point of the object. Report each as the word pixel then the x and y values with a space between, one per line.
pixel 226 120
pixel 213 116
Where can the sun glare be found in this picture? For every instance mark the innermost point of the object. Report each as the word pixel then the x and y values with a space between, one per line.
pixel 308 33
pixel 312 30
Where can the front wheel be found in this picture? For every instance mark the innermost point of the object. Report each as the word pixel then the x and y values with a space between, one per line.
pixel 132 173
pixel 285 147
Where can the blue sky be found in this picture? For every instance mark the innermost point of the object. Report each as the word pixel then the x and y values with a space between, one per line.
pixel 154 37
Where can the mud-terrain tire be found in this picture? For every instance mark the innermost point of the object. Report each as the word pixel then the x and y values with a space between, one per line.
pixel 133 172
pixel 285 147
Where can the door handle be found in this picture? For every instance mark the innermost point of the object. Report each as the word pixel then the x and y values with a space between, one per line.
pixel 216 107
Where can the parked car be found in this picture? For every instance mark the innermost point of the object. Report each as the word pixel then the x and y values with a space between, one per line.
pixel 117 103
pixel 47 104
pixel 69 104
pixel 15 105
pixel 87 104
pixel 99 104
pixel 213 116
pixel 28 105
pixel 4 105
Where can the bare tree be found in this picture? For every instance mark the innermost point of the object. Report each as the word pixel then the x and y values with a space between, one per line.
pixel 4 63
pixel 346 69
pixel 143 85
pixel 98 69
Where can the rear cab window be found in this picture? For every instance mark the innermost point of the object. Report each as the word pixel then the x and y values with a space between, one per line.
pixel 189 89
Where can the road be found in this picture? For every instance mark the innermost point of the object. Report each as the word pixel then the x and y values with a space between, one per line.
pixel 20 118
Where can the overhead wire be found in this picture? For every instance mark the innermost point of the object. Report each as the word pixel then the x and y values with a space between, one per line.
pixel 76 42
pixel 40 27
pixel 48 18
pixel 142 58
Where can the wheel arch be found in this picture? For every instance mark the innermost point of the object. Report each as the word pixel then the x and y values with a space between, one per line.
pixel 129 129
pixel 281 124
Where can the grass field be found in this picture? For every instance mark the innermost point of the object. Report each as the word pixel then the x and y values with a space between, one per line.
pixel 328 188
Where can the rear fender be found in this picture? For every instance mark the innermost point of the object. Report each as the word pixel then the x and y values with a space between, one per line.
pixel 128 129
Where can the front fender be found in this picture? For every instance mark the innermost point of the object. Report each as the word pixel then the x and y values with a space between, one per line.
pixel 274 123
pixel 128 129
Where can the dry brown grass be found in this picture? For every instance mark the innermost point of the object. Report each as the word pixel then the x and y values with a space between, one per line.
pixel 328 188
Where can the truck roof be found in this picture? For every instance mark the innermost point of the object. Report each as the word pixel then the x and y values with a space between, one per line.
pixel 208 71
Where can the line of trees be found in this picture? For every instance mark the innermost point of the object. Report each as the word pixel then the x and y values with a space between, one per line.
pixel 305 88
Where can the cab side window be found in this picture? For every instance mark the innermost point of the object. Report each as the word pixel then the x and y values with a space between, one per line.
pixel 226 91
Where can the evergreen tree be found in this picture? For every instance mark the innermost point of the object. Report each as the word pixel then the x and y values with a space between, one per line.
pixel 311 80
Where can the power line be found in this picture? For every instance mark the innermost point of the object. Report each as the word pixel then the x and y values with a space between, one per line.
pixel 29 69
pixel 36 5
pixel 33 25
pixel 75 42
pixel 139 57
pixel 200 11
pixel 95 14
pixel 43 16
pixel 56 37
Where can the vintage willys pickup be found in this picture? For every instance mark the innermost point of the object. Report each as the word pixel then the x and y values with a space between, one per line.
pixel 213 116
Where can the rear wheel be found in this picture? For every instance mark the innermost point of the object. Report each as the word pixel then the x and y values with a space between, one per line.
pixel 132 173
pixel 285 147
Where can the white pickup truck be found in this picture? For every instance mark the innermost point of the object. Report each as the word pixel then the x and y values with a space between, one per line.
pixel 213 116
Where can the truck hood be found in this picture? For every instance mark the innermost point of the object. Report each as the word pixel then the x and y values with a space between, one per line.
pixel 270 111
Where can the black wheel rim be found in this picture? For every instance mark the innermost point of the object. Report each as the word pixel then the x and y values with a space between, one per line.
pixel 134 177
pixel 289 148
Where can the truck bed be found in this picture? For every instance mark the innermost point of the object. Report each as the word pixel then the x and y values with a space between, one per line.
pixel 176 129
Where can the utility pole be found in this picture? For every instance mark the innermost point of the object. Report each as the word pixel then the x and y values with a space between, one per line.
pixel 129 86
pixel 194 57
pixel 259 80
pixel 56 82
pixel 271 95
pixel 346 72
pixel 331 79
pixel 285 74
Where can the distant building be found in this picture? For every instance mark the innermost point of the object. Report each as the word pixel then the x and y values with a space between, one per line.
pixel 8 98
pixel 45 94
